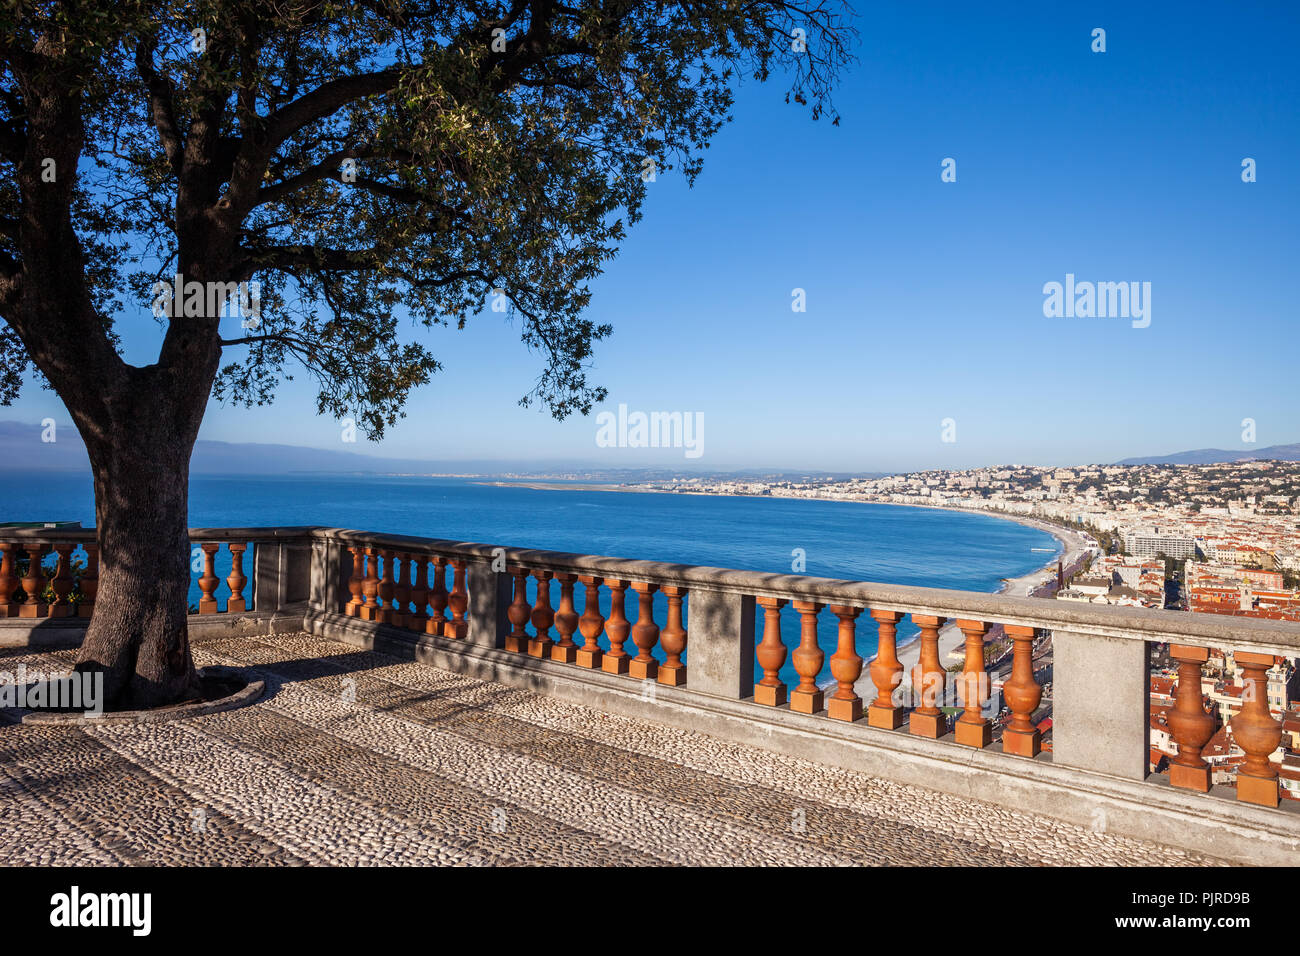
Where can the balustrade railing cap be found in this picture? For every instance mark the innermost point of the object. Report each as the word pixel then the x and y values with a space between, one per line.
pixel 72 531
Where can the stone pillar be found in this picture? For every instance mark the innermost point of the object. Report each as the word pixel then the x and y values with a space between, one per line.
pixel 1100 704
pixel 721 651
pixel 489 599
pixel 268 566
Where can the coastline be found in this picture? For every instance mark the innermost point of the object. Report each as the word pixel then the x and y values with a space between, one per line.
pixel 951 640
pixel 1073 544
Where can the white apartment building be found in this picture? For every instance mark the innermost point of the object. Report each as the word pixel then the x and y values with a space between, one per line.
pixel 1148 544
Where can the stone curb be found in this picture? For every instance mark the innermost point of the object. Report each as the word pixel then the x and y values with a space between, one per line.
pixel 250 694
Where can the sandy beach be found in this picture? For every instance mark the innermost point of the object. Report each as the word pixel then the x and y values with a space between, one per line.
pixel 951 639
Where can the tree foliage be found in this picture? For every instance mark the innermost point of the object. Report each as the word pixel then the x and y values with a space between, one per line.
pixel 372 165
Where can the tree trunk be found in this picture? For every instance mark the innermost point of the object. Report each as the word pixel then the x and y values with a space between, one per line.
pixel 138 634
pixel 139 424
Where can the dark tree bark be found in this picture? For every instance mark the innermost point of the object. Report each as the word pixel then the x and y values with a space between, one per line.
pixel 140 441
pixel 138 634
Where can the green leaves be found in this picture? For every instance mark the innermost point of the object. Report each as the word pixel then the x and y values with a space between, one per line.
pixel 472 165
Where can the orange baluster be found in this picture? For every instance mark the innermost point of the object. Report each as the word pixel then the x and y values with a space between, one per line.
pixel 770 690
pixel 808 658
pixel 417 620
pixel 929 681
pixel 401 590
pixel 437 623
pixel 617 628
pixel 62 582
pixel 384 611
pixel 973 728
pixel 645 633
pixel 34 583
pixel 236 581
pixel 886 673
pixel 1022 695
pixel 458 601
pixel 673 639
pixel 208 581
pixel 542 617
pixel 89 583
pixel 591 623
pixel 370 586
pixel 1189 723
pixel 1256 732
pixel 8 580
pixel 846 666
pixel 353 607
pixel 566 621
pixel 518 613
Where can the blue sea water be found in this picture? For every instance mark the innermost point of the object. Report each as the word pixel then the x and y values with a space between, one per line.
pixel 865 542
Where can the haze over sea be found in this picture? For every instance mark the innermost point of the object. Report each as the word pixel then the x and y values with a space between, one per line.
pixel 866 542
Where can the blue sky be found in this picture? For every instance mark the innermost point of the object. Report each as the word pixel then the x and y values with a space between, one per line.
pixel 924 298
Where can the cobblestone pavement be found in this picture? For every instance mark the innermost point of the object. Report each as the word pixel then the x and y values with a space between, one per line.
pixel 356 757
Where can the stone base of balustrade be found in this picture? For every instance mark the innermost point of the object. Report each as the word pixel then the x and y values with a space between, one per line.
pixel 1256 789
pixel 1022 743
pixel 52 633
pixel 838 709
pixel 591 659
pixel 1215 824
pixel 807 701
pixel 1190 778
pixel 972 734
pixel 643 670
pixel 885 718
pixel 932 726
pixel 611 664
pixel 769 696
pixel 672 676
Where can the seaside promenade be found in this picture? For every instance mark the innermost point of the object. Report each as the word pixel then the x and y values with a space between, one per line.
pixel 357 757
pixel 951 639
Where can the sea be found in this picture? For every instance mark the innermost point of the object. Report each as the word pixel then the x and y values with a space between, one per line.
pixel 851 540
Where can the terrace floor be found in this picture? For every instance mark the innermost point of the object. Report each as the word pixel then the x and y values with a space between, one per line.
pixel 355 757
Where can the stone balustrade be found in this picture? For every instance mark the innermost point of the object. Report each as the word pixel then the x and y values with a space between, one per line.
pixel 711 641
pixel 70 587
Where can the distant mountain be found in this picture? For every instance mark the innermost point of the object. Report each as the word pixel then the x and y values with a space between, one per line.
pixel 21 449
pixel 1214 456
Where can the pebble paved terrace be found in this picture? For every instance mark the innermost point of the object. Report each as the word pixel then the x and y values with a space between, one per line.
pixel 355 757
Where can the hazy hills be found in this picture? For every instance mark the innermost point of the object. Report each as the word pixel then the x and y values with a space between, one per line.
pixel 1212 456
pixel 21 449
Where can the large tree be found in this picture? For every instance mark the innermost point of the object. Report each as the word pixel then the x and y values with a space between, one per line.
pixel 362 162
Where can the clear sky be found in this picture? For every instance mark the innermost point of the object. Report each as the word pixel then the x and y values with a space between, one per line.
pixel 925 298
